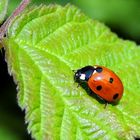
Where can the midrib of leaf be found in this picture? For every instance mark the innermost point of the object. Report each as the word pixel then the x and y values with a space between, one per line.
pixel 79 96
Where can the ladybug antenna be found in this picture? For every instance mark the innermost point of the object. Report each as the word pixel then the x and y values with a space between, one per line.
pixel 74 71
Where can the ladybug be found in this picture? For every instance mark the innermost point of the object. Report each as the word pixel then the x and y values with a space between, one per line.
pixel 101 81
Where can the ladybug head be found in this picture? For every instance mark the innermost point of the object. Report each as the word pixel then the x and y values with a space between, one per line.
pixel 79 77
pixel 83 74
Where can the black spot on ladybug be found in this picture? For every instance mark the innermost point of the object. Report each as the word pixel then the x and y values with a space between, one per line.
pixel 99 69
pixel 115 96
pixel 111 80
pixel 99 87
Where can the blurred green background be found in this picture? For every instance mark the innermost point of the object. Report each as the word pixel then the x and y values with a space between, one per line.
pixel 122 16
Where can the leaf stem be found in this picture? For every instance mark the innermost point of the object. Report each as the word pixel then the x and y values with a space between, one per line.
pixel 17 11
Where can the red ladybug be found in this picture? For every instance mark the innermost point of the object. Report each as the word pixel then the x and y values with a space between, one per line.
pixel 102 81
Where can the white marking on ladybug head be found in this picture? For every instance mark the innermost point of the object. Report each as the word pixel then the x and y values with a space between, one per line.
pixel 82 76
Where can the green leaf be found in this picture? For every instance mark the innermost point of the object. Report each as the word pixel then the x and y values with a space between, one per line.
pixel 44 45
pixel 3 9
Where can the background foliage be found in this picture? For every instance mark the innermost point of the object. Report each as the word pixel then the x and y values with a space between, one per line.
pixel 121 15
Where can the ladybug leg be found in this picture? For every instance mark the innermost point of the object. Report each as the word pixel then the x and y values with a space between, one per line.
pixel 106 103
pixel 79 84
pixel 90 91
